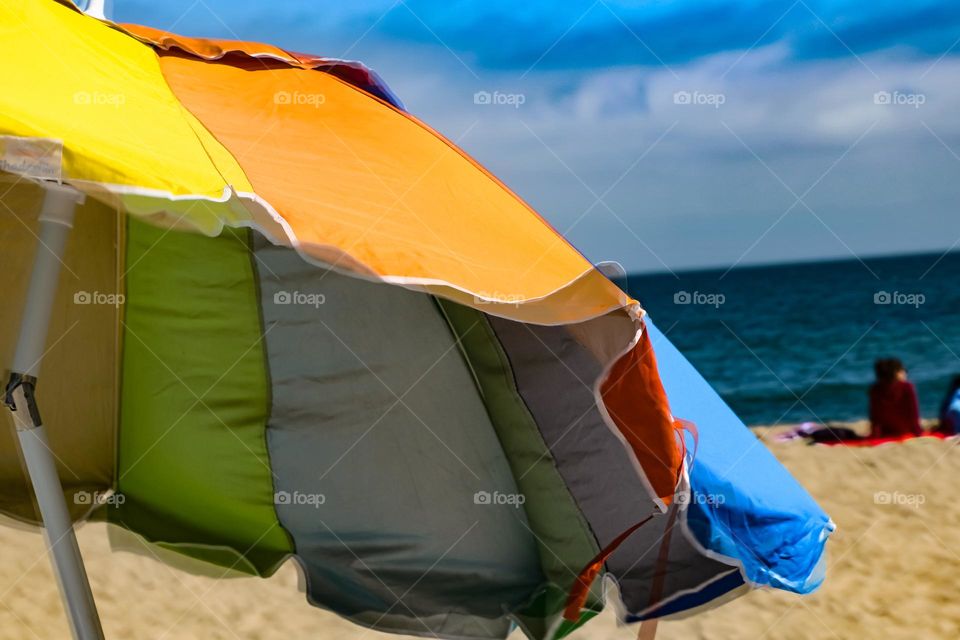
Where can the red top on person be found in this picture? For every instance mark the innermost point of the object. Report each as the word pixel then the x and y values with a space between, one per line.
pixel 894 410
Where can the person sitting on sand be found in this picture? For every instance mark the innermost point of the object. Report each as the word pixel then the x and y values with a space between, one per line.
pixel 894 411
pixel 950 410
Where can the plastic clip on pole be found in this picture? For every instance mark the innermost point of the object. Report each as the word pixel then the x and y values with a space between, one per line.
pixel 56 220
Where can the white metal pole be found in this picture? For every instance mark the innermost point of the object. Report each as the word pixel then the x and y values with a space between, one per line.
pixel 102 9
pixel 56 220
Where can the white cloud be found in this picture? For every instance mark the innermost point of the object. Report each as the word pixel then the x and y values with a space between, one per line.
pixel 699 196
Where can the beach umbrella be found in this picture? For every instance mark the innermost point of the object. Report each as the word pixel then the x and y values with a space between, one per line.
pixel 280 317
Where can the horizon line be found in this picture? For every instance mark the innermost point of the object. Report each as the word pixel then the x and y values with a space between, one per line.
pixel 791 263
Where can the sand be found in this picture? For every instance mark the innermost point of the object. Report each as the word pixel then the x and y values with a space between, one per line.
pixel 894 571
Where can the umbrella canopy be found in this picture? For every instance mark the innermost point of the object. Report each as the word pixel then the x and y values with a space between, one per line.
pixel 296 321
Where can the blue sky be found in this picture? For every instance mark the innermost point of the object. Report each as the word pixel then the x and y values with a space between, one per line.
pixel 668 134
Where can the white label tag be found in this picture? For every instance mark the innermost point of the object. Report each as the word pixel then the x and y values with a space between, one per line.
pixel 32 157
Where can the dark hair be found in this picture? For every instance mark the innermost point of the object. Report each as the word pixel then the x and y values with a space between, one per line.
pixel 886 369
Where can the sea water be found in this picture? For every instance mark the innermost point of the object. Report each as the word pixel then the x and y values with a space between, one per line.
pixel 796 342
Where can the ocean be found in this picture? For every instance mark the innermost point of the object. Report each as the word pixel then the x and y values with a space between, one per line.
pixel 796 342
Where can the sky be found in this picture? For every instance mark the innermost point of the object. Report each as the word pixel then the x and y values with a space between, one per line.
pixel 667 135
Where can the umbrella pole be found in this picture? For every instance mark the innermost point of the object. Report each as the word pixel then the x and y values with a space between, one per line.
pixel 56 221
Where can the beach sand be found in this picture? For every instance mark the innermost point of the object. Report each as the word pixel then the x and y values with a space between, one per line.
pixel 893 570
